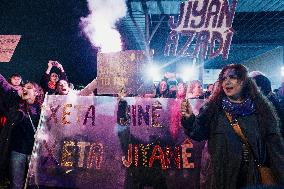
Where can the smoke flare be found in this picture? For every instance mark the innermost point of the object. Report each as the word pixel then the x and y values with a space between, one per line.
pixel 99 25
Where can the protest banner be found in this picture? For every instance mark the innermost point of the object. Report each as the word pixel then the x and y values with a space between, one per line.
pixel 101 142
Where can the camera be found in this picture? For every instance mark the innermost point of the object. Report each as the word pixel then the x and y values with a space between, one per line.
pixel 54 63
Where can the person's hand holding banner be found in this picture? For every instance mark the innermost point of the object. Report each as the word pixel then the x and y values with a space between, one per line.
pixel 186 109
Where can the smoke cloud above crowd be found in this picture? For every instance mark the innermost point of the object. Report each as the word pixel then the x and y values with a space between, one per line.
pixel 99 25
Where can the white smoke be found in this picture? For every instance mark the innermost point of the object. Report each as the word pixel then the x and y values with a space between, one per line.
pixel 99 25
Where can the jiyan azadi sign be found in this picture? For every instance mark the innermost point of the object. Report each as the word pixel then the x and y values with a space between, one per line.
pixel 203 24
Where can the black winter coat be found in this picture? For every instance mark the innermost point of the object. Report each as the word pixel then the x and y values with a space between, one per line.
pixel 225 147
pixel 17 134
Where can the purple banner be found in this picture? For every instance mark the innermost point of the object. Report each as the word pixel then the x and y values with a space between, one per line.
pixel 88 142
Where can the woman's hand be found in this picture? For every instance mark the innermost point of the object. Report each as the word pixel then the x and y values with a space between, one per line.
pixel 50 64
pixel 59 66
pixel 186 109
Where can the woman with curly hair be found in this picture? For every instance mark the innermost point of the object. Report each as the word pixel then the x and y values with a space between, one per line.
pixel 17 136
pixel 237 103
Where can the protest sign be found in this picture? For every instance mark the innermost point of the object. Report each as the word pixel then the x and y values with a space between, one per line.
pixel 8 44
pixel 85 142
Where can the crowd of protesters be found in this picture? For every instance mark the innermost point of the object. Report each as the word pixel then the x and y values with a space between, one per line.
pixel 248 100
pixel 20 108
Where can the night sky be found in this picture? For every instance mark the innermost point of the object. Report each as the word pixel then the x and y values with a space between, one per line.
pixel 50 30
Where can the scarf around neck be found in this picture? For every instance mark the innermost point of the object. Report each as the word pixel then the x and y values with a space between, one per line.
pixel 245 108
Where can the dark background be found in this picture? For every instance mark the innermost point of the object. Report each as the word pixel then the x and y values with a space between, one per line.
pixel 51 30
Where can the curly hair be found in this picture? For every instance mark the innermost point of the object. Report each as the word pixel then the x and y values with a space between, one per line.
pixel 264 108
pixel 40 97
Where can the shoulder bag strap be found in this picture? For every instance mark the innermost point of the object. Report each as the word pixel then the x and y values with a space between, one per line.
pixel 236 127
pixel 31 122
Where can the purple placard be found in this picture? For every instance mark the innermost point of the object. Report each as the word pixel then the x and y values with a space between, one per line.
pixel 80 145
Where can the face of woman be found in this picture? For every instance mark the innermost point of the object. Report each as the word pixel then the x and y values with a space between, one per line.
pixel 29 93
pixel 53 77
pixel 232 85
pixel 163 86
pixel 180 89
pixel 16 81
pixel 197 90
pixel 63 87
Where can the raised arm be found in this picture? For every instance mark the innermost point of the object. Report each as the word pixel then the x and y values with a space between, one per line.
pixel 88 90
pixel 46 76
pixel 62 74
pixel 10 95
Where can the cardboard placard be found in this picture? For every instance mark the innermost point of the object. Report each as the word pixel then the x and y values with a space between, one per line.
pixel 121 70
pixel 8 44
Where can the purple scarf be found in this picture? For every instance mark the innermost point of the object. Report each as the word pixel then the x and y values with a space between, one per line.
pixel 247 107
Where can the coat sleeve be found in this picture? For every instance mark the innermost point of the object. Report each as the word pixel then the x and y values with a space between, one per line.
pixel 196 127
pixel 275 147
pixel 10 95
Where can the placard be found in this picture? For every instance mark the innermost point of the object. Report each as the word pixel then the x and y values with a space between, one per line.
pixel 8 44
pixel 121 70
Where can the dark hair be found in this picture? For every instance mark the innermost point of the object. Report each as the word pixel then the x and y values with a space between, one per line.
pixel 171 82
pixel 263 107
pixel 57 83
pixel 56 70
pixel 15 75
pixel 264 84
